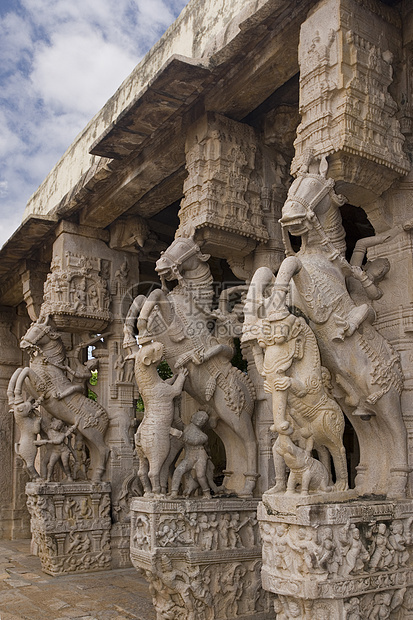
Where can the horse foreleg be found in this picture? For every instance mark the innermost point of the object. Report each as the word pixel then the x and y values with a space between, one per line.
pixel 340 465
pixel 99 452
pixel 324 457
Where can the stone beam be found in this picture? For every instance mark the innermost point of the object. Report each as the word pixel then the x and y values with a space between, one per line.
pixel 176 85
pixel 139 135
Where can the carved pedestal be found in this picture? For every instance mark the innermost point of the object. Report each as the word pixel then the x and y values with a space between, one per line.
pixel 337 560
pixel 70 525
pixel 201 557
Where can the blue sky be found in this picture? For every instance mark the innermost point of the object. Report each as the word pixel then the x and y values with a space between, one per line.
pixel 60 60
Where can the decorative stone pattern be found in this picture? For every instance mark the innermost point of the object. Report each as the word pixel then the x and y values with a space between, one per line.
pixel 330 554
pixel 201 557
pixel 221 190
pixel 346 54
pixel 76 293
pixel 70 525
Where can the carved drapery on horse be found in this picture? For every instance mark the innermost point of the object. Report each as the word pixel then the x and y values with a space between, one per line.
pixel 365 368
pixel 183 321
pixel 46 380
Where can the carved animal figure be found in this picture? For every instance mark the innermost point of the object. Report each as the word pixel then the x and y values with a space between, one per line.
pixel 304 469
pixel 64 400
pixel 295 379
pixel 365 368
pixel 182 320
pixel 28 421
pixel 153 435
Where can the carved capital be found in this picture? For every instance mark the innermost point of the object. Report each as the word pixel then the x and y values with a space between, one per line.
pixel 346 54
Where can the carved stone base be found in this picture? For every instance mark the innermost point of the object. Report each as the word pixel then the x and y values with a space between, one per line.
pixel 337 560
pixel 70 524
pixel 201 557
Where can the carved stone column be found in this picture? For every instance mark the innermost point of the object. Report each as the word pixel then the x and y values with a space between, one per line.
pixel 89 290
pixel 201 557
pixel 351 559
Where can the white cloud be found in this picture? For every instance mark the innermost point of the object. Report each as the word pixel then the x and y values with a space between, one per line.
pixel 61 61
pixel 79 72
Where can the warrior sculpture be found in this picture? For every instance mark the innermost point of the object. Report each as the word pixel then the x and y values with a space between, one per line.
pixel 297 382
pixel 365 369
pixel 63 399
pixel 183 321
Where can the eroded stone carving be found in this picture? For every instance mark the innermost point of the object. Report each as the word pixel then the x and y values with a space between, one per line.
pixel 298 385
pixel 63 399
pixel 201 557
pixel 57 448
pixel 76 293
pixel 358 556
pixel 195 461
pixel 28 421
pixel 347 110
pixel 70 525
pixel 181 321
pixel 305 471
pixel 221 191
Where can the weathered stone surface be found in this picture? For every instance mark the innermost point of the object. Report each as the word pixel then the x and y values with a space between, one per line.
pixel 70 525
pixel 335 556
pixel 202 558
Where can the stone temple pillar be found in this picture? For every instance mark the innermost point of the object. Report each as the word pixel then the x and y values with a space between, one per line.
pixel 86 295
pixel 335 555
pixel 14 518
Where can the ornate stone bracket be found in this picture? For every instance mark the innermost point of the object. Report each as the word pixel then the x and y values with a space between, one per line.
pixel 346 54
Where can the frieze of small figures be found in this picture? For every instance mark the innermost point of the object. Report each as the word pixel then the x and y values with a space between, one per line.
pixel 74 551
pixel 219 590
pixel 377 605
pixel 354 552
pixel 206 531
pixel 77 289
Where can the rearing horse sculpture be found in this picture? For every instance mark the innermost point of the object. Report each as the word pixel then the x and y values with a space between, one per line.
pixel 365 368
pixel 46 378
pixel 182 320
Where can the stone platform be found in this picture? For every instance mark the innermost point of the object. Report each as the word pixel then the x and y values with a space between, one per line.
pixel 26 593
